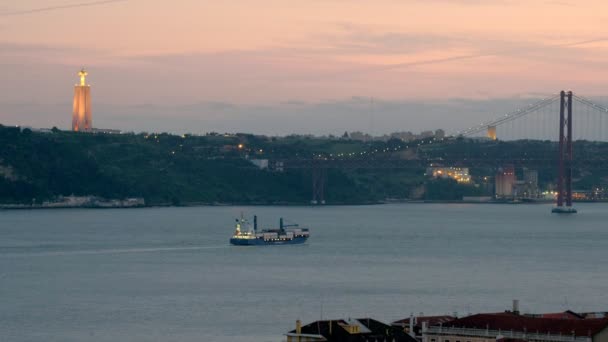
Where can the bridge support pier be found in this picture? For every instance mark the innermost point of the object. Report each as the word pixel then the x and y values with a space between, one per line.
pixel 564 181
pixel 318 185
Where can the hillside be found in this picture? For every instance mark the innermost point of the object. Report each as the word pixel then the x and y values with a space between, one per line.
pixel 167 169
pixel 163 169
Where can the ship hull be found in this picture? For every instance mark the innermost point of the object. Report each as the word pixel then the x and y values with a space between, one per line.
pixel 261 242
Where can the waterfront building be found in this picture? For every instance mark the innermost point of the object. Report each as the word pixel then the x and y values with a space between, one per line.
pixel 350 330
pixel 505 180
pixel 529 187
pixel 531 177
pixel 459 174
pixel 82 119
pixel 582 195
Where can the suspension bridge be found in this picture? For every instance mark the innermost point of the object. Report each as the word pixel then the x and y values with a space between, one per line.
pixel 563 118
pixel 540 120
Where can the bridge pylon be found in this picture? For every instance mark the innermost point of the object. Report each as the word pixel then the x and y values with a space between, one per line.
pixel 564 181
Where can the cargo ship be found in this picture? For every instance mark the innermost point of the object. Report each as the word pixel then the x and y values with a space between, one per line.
pixel 290 234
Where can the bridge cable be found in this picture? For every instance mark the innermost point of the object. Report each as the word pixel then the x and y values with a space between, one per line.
pixel 509 117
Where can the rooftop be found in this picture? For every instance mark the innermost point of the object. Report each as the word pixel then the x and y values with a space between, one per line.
pixel 514 322
pixel 352 330
pixel 430 320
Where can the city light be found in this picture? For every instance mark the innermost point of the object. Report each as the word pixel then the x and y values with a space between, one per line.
pixel 461 175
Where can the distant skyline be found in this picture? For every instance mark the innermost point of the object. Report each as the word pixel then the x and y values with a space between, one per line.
pixel 279 67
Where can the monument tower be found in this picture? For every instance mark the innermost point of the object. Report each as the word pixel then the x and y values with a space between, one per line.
pixel 81 115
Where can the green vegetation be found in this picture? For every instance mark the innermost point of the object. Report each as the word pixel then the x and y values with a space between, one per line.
pixel 167 169
pixel 449 189
pixel 163 169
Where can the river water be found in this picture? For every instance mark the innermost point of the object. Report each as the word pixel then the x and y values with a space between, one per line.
pixel 168 274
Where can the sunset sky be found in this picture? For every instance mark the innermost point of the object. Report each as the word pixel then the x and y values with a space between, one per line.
pixel 296 66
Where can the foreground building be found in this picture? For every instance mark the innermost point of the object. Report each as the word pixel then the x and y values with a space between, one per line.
pixel 510 326
pixel 351 330
pixel 413 325
pixel 82 119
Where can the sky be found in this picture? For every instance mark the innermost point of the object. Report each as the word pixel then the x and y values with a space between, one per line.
pixel 278 67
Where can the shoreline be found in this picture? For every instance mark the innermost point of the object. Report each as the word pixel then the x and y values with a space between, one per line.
pixel 218 204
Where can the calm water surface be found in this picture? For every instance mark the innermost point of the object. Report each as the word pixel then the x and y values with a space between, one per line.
pixel 168 274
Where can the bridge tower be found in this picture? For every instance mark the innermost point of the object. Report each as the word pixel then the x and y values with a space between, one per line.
pixel 564 181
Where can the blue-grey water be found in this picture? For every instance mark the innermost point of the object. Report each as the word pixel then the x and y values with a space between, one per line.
pixel 168 274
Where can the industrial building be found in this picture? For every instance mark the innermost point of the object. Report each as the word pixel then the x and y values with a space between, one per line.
pixel 505 180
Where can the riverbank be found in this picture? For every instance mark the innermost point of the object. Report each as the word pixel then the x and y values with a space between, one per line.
pixel 62 202
pixel 118 205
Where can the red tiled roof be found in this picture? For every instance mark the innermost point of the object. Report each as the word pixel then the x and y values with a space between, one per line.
pixel 583 327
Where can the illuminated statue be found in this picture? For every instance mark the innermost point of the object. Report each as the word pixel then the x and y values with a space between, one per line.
pixel 83 74
pixel 82 120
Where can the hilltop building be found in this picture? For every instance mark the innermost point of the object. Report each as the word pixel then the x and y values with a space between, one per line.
pixel 491 133
pixel 82 120
pixel 439 134
pixel 403 136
